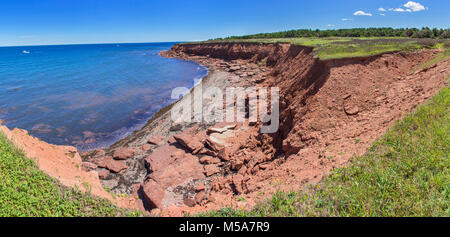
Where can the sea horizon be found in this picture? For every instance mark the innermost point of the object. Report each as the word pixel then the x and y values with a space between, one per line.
pixel 69 44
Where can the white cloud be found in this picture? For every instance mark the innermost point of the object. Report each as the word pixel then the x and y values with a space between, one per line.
pixel 347 19
pixel 397 9
pixel 409 7
pixel 362 13
pixel 330 25
pixel 414 6
pixel 381 9
pixel 382 14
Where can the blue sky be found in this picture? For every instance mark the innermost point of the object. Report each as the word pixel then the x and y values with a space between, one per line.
pixel 38 22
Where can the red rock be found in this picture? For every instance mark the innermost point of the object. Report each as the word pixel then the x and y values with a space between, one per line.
pixel 113 165
pixel 209 160
pixel 214 161
pixel 100 153
pixel 153 194
pixel 180 170
pixel 206 160
pixel 171 167
pixel 255 169
pixel 237 163
pixel 156 140
pixel 221 129
pixel 215 186
pixel 243 170
pixel 102 163
pixel 234 68
pixel 97 160
pixel 124 153
pixel 211 198
pixel 205 151
pixel 88 166
pixel 103 174
pixel 351 110
pixel 146 147
pixel 171 140
pixel 193 130
pixel 189 142
pixel 163 157
pixel 214 146
pixel 200 187
pixel 189 202
pixel 223 154
pixel 211 170
pixel 238 182
pixel 199 197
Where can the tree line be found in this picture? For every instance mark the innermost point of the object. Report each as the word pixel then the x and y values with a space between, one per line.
pixel 425 32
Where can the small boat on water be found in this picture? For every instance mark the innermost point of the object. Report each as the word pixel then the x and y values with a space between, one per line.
pixel 26 52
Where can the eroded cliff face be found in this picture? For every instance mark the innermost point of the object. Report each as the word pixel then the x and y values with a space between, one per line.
pixel 293 69
pixel 348 87
pixel 330 111
pixel 254 52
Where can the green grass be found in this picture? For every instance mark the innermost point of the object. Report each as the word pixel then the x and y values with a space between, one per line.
pixel 445 54
pixel 26 191
pixel 404 173
pixel 347 47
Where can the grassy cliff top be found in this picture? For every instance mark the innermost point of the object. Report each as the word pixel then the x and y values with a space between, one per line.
pixel 327 48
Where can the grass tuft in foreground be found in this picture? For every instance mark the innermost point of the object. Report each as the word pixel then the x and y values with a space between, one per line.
pixel 405 173
pixel 28 192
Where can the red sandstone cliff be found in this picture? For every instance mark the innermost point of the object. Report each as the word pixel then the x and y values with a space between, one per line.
pixel 324 107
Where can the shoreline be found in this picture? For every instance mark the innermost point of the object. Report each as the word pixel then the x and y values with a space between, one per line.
pixel 173 169
pixel 160 112
pixel 157 114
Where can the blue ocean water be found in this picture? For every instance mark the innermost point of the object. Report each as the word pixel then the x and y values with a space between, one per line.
pixel 88 96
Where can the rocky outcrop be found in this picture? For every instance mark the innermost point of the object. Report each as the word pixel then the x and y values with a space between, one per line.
pixel 186 140
pixel 112 165
pixel 124 153
pixel 64 164
pixel 170 168
pixel 156 139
